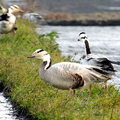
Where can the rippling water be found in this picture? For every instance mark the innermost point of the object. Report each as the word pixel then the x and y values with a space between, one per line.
pixel 103 40
pixel 6 110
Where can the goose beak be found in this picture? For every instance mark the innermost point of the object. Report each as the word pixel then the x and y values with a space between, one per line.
pixel 21 11
pixel 30 56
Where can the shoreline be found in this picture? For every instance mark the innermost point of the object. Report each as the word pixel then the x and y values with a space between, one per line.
pixel 81 22
pixel 19 112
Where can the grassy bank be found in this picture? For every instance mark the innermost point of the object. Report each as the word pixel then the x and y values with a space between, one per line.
pixel 42 101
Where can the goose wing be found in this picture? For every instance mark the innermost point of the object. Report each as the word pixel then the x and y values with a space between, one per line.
pixel 98 60
pixel 8 17
pixel 4 17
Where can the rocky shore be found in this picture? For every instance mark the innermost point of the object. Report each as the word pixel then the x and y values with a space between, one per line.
pixel 82 22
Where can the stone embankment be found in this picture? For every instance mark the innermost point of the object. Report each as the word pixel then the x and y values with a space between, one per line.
pixel 81 22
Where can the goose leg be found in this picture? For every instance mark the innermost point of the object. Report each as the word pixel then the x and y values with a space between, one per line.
pixel 90 90
pixel 72 92
pixel 14 33
pixel 14 29
pixel 106 86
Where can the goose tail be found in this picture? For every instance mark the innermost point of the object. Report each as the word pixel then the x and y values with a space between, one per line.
pixel 115 62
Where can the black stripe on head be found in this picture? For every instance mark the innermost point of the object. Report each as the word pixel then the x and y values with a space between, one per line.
pixel 81 33
pixel 83 37
pixel 40 51
pixel 15 6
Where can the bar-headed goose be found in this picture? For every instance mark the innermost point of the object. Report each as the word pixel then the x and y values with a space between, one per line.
pixel 32 16
pixel 95 60
pixel 8 20
pixel 13 9
pixel 68 75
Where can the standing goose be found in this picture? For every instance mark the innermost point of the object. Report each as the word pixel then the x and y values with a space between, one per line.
pixel 96 60
pixel 67 75
pixel 8 20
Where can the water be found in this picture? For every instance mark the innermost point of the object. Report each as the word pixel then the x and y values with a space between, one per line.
pixel 6 110
pixel 67 6
pixel 103 40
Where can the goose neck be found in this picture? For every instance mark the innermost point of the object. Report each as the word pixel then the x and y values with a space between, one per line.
pixel 9 10
pixel 46 64
pixel 87 47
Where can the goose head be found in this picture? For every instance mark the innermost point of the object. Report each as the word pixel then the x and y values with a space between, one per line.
pixel 32 16
pixel 82 36
pixel 15 10
pixel 40 54
pixel 35 16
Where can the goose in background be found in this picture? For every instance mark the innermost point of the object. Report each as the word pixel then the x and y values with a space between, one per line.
pixel 8 20
pixel 68 75
pixel 32 16
pixel 96 60
pixel 13 9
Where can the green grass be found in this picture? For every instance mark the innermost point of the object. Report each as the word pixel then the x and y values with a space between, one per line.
pixel 20 75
